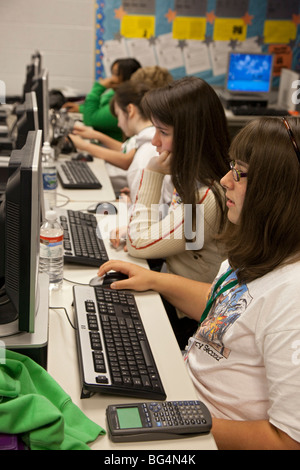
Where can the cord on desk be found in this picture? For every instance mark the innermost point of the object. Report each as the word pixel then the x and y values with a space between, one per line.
pixel 76 282
pixel 64 308
pixel 65 203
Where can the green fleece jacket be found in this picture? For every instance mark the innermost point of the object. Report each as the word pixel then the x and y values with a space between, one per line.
pixel 96 111
pixel 34 406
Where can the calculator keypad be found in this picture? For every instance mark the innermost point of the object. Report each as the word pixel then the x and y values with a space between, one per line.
pixel 175 413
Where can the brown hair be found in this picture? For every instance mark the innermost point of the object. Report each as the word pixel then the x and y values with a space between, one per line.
pixel 268 232
pixel 129 93
pixel 200 136
pixel 153 76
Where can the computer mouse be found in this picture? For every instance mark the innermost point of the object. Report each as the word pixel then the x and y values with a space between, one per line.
pixel 96 281
pixel 83 157
pixel 108 279
pixel 103 208
pixel 113 276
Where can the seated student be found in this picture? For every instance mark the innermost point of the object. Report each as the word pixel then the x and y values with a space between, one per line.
pixel 244 359
pixel 190 123
pixel 96 107
pixel 134 154
pixel 151 77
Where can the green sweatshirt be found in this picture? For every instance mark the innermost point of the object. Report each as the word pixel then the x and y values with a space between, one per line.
pixel 33 405
pixel 96 111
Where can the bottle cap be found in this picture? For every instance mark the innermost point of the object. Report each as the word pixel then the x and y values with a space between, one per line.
pixel 46 148
pixel 51 215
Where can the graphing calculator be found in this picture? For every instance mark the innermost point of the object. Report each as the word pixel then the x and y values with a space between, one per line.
pixel 157 420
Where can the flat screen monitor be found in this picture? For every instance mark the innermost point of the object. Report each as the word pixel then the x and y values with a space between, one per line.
pixel 21 212
pixel 249 73
pixel 27 118
pixel 41 88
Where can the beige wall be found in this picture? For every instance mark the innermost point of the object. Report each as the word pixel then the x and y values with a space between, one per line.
pixel 63 30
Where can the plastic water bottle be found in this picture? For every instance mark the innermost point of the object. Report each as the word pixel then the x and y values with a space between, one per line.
pixel 49 176
pixel 51 250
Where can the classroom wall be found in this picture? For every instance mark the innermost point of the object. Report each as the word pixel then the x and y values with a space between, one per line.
pixel 79 39
pixel 63 30
pixel 194 37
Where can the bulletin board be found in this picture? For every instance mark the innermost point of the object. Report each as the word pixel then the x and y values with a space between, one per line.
pixel 194 37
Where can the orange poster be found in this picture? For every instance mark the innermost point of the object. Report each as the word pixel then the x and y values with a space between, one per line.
pixel 282 58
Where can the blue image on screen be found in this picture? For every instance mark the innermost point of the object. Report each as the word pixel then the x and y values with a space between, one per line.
pixel 249 73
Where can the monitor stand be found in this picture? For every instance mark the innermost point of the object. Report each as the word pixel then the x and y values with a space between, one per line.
pixel 33 345
pixel 230 100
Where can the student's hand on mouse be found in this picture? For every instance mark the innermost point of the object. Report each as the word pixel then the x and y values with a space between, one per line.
pixel 161 163
pixel 139 279
pixel 118 238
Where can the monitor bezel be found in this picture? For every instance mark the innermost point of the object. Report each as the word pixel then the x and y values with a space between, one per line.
pixel 22 244
pixel 40 86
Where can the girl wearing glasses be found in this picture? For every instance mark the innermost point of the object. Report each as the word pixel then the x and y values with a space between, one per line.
pixel 244 359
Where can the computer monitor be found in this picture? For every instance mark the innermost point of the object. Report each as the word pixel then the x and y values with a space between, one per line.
pixel 249 73
pixel 20 220
pixel 32 70
pixel 27 119
pixel 41 87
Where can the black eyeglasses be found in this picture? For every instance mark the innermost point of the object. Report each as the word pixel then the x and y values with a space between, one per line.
pixel 237 174
pixel 292 137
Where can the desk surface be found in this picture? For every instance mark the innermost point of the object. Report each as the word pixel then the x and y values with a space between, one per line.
pixel 88 196
pixel 62 353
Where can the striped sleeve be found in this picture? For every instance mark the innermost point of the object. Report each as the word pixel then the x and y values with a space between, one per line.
pixel 150 233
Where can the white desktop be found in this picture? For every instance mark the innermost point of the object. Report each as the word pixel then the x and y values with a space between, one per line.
pixel 62 353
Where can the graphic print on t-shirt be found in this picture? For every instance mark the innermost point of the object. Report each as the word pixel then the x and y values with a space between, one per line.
pixel 228 307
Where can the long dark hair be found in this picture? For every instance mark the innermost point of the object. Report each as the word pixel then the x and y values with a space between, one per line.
pixel 126 67
pixel 268 232
pixel 200 136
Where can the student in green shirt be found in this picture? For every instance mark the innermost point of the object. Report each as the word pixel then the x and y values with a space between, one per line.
pixel 96 107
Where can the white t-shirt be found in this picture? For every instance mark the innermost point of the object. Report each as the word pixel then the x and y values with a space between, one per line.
pixel 118 176
pixel 145 151
pixel 244 360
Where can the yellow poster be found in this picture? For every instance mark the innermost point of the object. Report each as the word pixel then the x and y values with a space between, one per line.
pixel 226 29
pixel 279 32
pixel 138 26
pixel 189 28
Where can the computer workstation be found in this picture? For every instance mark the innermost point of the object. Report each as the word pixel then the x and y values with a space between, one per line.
pixel 248 93
pixel 79 378
pixel 152 377
pixel 64 347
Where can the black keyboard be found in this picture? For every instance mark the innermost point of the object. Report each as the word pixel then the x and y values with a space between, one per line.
pixel 258 111
pixel 82 239
pixel 113 350
pixel 77 175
